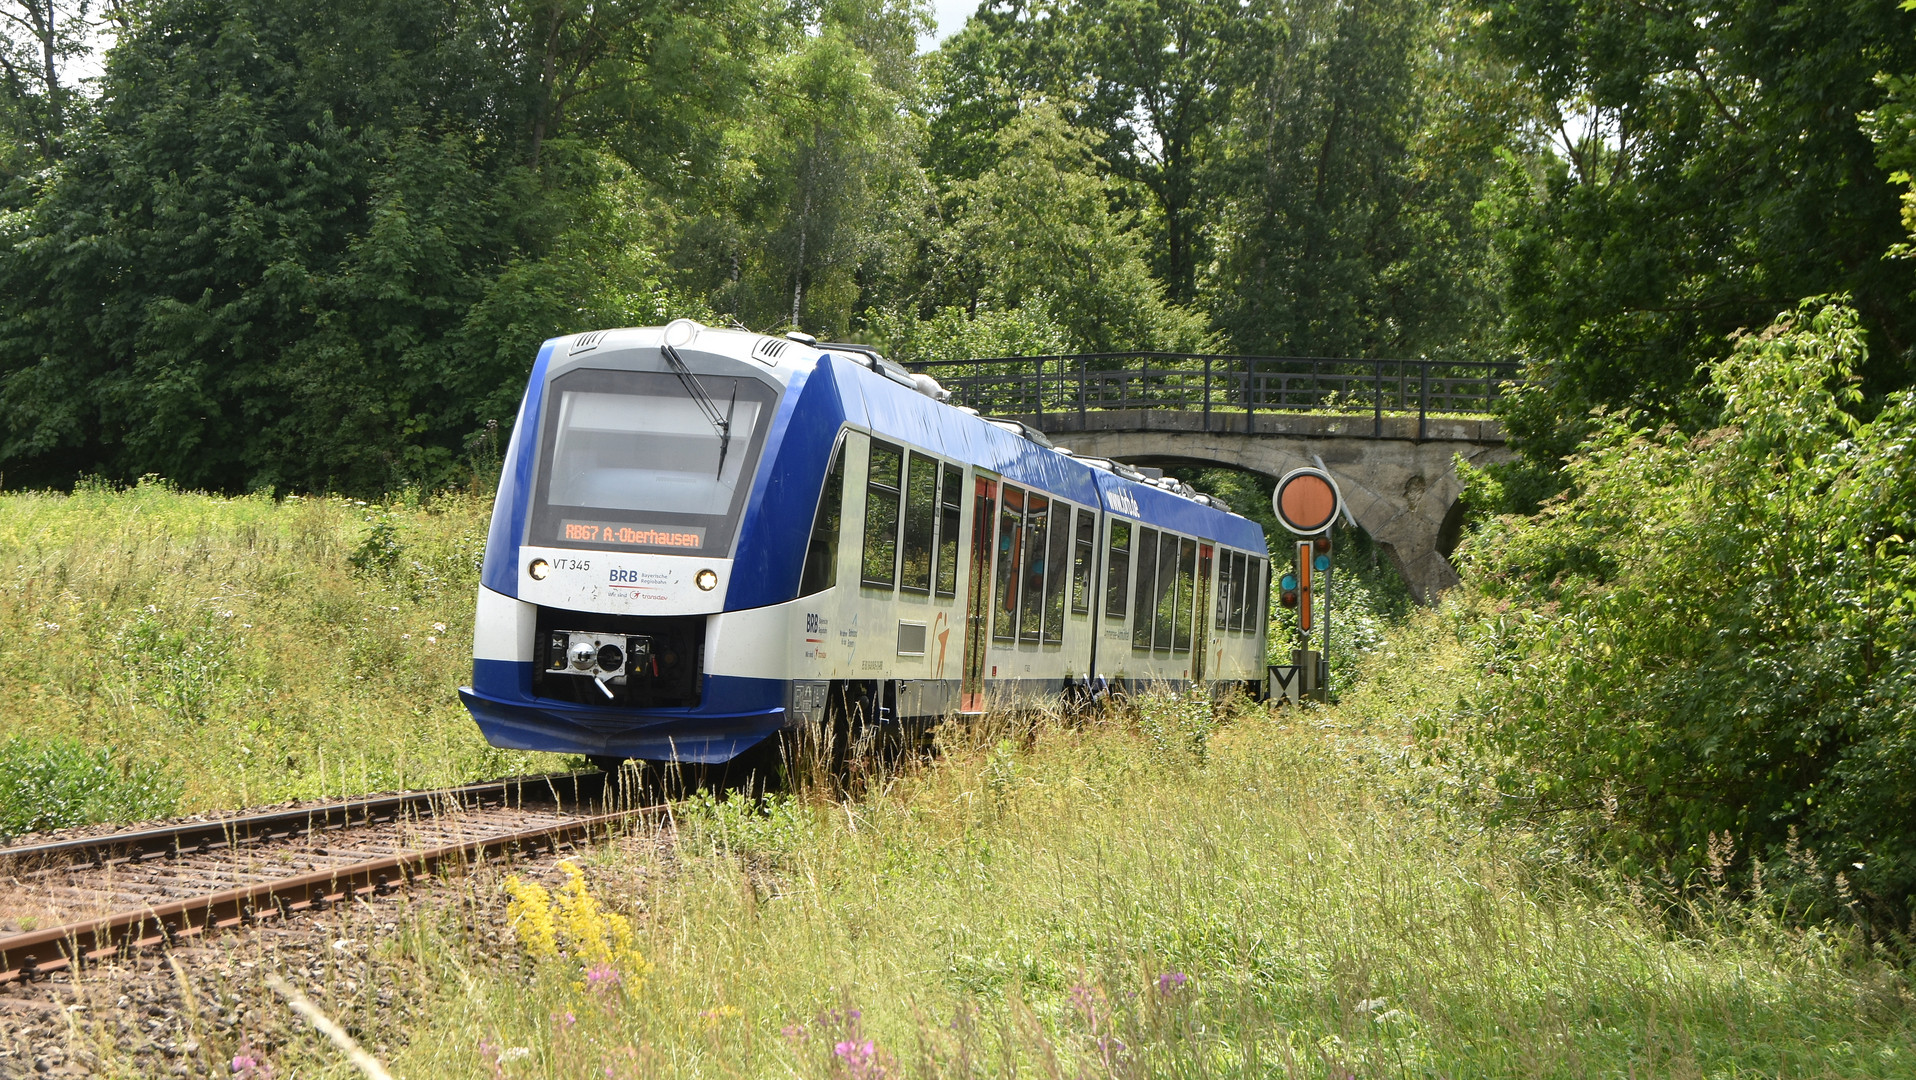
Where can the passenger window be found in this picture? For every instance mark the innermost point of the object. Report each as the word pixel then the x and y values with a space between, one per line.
pixel 1164 598
pixel 921 523
pixel 1240 589
pixel 1226 569
pixel 950 502
pixel 1004 618
pixel 1031 617
pixel 881 515
pixel 1058 559
pixel 821 552
pixel 1081 563
pixel 1186 596
pixel 1257 607
pixel 1117 572
pixel 1146 590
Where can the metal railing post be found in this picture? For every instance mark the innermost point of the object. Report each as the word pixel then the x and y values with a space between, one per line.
pixel 1083 377
pixel 1423 400
pixel 1250 396
pixel 1377 399
pixel 1040 401
pixel 1207 393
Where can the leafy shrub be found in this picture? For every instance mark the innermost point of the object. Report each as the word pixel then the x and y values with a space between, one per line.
pixel 1704 648
pixel 56 783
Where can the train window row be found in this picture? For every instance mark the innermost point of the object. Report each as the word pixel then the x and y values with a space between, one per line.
pixel 912 504
pixel 1043 545
pixel 1045 556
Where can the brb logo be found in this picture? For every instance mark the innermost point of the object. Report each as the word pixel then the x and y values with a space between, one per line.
pixel 1125 503
pixel 625 576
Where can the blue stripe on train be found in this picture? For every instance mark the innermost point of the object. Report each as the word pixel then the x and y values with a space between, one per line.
pixel 734 715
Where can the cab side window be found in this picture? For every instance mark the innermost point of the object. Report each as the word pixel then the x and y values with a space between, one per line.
pixel 821 551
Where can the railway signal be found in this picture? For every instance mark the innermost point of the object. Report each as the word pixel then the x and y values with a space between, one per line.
pixel 1307 502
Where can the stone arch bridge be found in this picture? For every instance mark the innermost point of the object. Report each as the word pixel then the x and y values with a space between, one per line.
pixel 1390 431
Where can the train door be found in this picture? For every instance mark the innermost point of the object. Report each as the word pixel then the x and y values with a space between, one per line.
pixel 1201 614
pixel 984 512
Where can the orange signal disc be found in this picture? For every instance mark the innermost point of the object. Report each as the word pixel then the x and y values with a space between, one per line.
pixel 1307 503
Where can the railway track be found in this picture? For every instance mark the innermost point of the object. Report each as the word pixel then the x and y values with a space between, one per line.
pixel 73 901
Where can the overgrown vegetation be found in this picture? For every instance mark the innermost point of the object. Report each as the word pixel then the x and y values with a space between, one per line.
pixel 1160 892
pixel 162 648
pixel 1705 650
pixel 51 783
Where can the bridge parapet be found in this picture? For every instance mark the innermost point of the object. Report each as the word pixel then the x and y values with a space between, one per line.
pixel 1390 431
pixel 1227 387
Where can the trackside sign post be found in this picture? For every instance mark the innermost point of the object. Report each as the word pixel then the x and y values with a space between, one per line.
pixel 1307 502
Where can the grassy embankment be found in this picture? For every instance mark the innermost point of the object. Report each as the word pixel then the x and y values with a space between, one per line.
pixel 1290 894
pixel 162 650
pixel 1156 893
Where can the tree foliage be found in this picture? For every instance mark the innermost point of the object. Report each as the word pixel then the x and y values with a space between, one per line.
pixel 1707 651
pixel 1709 171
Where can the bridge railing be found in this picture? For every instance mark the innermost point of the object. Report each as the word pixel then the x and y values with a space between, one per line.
pixel 1224 386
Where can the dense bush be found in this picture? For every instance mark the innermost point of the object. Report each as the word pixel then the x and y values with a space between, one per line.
pixel 54 783
pixel 1704 652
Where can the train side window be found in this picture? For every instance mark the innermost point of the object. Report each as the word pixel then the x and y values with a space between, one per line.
pixel 1031 615
pixel 1246 577
pixel 921 523
pixel 821 552
pixel 1234 591
pixel 1117 572
pixel 950 503
pixel 1221 596
pixel 1164 599
pixel 1186 600
pixel 1227 591
pixel 881 515
pixel 1085 532
pixel 1258 608
pixel 1004 615
pixel 1145 592
pixel 1058 562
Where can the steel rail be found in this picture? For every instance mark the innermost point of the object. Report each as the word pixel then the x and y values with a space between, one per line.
pixel 25 955
pixel 202 836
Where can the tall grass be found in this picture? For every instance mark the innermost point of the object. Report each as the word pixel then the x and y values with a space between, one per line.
pixel 1154 893
pixel 250 649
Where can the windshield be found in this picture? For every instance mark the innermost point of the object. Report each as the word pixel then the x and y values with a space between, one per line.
pixel 632 463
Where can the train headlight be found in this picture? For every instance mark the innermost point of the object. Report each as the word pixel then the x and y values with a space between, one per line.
pixel 680 332
pixel 583 654
pixel 611 658
pixel 539 569
pixel 706 579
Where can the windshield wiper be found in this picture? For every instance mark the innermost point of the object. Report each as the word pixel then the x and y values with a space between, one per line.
pixel 721 424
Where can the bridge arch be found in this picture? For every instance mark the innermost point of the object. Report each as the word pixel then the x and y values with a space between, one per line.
pixel 1402 492
pixel 1390 431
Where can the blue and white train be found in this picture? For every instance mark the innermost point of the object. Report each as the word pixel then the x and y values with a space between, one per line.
pixel 703 537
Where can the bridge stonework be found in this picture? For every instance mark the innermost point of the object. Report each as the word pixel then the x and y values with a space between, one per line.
pixel 1398 473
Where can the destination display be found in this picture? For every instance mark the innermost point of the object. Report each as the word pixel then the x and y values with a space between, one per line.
pixel 612 534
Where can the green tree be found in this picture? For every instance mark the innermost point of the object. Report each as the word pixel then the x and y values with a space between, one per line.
pixel 1704 657
pixel 1709 171
pixel 815 214
pixel 1039 225
pixel 302 248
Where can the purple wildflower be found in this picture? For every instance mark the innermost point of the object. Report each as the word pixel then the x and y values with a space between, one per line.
pixel 601 976
pixel 795 1033
pixel 1170 982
